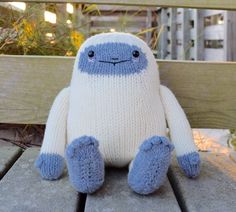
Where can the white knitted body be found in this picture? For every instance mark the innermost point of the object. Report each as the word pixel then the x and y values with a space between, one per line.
pixel 119 111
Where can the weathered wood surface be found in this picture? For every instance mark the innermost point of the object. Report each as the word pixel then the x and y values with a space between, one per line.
pixel 206 90
pixel 215 188
pixel 8 155
pixel 116 196
pixel 212 4
pixel 29 85
pixel 23 190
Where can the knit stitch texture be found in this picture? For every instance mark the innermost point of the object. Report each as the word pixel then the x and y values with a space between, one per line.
pixel 113 103
pixel 85 164
pixel 50 166
pixel 190 163
pixel 112 59
pixel 150 166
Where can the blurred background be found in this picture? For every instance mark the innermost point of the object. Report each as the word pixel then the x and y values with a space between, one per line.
pixel 172 33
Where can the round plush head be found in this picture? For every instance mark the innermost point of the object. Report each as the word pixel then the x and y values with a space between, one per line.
pixel 115 54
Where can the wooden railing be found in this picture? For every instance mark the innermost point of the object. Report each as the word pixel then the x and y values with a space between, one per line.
pixel 206 90
pixel 203 4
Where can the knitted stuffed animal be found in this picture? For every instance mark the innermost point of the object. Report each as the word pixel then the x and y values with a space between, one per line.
pixel 114 113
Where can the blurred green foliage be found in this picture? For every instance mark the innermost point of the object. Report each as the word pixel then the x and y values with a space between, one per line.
pixel 27 33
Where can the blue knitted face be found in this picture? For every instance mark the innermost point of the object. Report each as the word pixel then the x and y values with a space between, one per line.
pixel 112 59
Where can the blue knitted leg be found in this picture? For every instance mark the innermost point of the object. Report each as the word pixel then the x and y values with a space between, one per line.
pixel 150 166
pixel 190 164
pixel 50 165
pixel 85 164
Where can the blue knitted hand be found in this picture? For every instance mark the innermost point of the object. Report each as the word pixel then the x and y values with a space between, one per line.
pixel 50 166
pixel 190 164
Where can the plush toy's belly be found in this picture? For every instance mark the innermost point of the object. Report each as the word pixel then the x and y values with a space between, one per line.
pixel 119 118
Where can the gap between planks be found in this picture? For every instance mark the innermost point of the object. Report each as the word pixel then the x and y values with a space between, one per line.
pixel 178 195
pixel 9 155
pixel 25 191
pixel 213 190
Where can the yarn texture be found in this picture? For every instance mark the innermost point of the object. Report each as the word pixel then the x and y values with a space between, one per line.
pixel 190 163
pixel 114 112
pixel 150 166
pixel 50 166
pixel 85 164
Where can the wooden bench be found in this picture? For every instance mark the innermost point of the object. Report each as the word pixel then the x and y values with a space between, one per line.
pixel 206 91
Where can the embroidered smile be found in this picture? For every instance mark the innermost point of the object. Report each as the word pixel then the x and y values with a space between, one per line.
pixel 112 62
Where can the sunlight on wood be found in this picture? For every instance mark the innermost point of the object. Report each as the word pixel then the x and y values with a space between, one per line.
pixel 225 165
pixel 207 142
pixel 215 141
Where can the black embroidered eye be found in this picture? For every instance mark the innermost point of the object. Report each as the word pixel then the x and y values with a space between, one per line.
pixel 135 53
pixel 91 53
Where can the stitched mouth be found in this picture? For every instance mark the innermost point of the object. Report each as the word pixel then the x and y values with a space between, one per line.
pixel 114 63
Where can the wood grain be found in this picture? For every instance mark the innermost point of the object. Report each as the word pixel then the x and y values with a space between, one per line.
pixel 28 86
pixel 115 195
pixel 8 155
pixel 209 4
pixel 206 90
pixel 214 189
pixel 23 190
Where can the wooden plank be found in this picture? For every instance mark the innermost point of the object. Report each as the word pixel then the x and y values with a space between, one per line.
pixel 206 90
pixel 229 35
pixel 211 12
pixel 199 34
pixel 213 4
pixel 215 188
pixel 191 53
pixel 115 18
pixel 214 32
pixel 148 25
pixel 173 29
pixel 232 31
pixel 23 190
pixel 120 8
pixel 116 196
pixel 162 44
pixel 29 85
pixel 8 155
pixel 191 14
pixel 186 45
pixel 192 34
pixel 179 34
pixel 211 54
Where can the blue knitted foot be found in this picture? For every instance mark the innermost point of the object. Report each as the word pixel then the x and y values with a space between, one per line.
pixel 190 164
pixel 85 164
pixel 150 166
pixel 50 166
